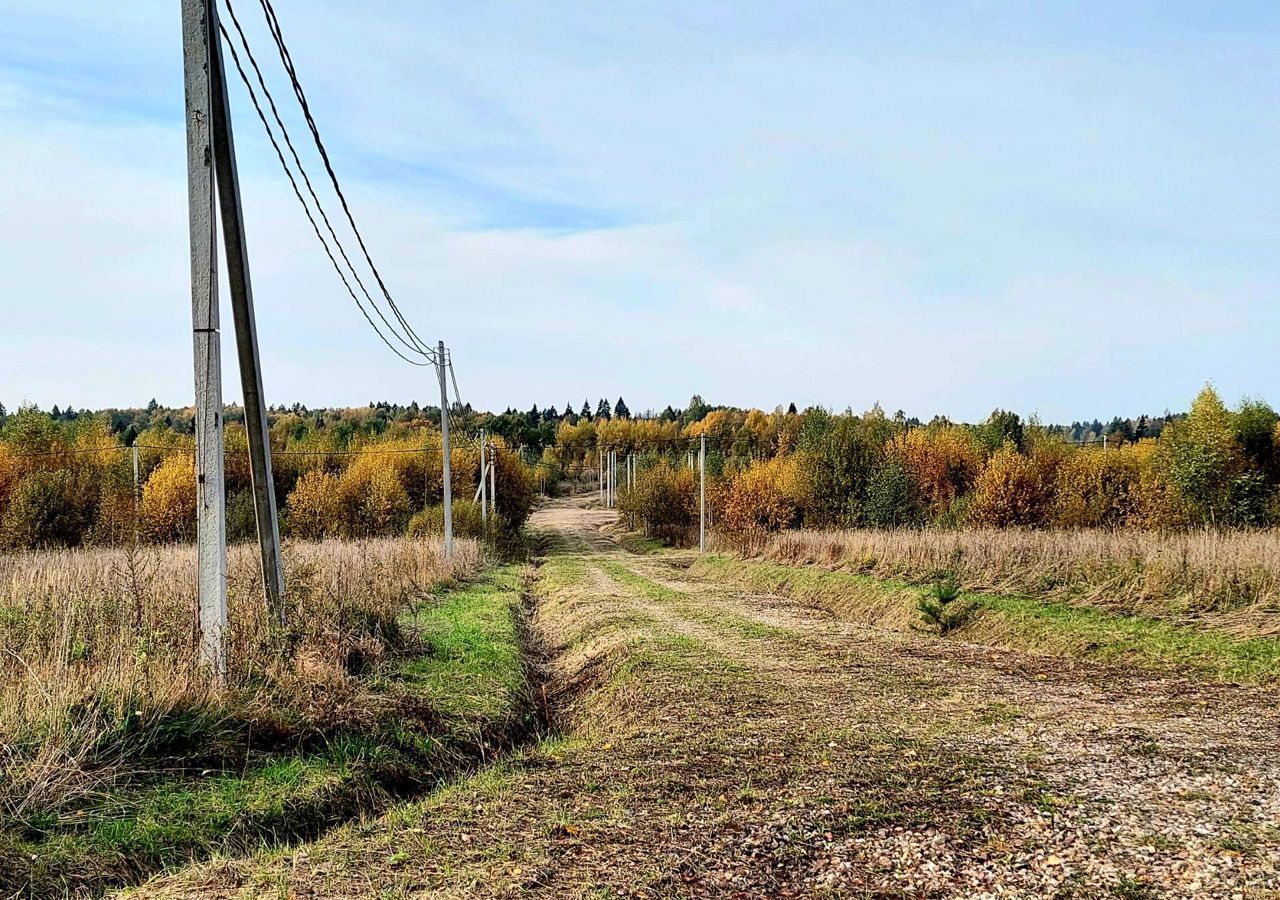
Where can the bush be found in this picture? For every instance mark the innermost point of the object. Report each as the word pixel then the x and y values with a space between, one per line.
pixel 314 507
pixel 944 463
pixel 384 509
pixel 516 491
pixel 371 499
pixel 1202 458
pixel 843 452
pixel 242 518
pixel 46 509
pixel 1113 488
pixel 664 500
pixel 1010 491
pixel 10 473
pixel 769 496
pixel 893 500
pixel 467 521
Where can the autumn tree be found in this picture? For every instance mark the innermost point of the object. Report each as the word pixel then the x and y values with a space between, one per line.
pixel 313 509
pixel 1010 491
pixel 169 500
pixel 1202 458
pixel 1002 427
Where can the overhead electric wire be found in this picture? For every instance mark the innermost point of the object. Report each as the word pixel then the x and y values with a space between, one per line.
pixel 273 24
pixel 284 131
pixel 457 394
pixel 253 97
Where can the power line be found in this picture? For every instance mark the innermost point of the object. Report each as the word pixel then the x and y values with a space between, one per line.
pixel 273 24
pixel 284 131
pixel 457 394
pixel 297 192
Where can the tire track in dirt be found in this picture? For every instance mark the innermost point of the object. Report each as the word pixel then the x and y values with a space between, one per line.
pixel 737 745
pixel 1175 779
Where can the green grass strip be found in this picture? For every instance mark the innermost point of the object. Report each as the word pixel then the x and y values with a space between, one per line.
pixel 1019 622
pixel 472 670
pixel 471 676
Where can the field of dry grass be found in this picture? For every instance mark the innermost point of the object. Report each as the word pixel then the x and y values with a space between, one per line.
pixel 98 668
pixel 1229 580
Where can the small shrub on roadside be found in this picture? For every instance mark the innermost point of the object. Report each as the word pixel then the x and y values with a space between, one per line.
pixel 941 607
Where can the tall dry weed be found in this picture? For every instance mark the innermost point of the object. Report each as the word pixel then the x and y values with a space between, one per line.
pixel 1229 579
pixel 98 665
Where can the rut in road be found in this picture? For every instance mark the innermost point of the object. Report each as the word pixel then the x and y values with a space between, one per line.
pixel 723 743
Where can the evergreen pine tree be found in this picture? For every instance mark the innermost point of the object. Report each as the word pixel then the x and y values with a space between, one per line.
pixel 603 411
pixel 620 409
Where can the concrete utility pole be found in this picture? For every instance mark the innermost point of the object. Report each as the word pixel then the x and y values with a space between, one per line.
pixel 445 451
pixel 600 452
pixel 493 480
pixel 198 30
pixel 702 495
pixel 483 492
pixel 255 405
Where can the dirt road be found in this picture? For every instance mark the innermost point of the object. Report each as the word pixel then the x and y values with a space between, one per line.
pixel 720 743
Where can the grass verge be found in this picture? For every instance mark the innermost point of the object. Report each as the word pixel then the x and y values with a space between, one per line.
pixel 1017 622
pixel 453 697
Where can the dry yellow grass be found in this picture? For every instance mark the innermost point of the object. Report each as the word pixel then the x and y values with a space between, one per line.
pixel 1227 579
pixel 98 664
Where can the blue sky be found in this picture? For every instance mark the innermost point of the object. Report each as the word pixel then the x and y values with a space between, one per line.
pixel 1069 209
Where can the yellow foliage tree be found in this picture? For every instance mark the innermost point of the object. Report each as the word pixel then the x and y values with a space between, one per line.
pixel 314 506
pixel 385 509
pixel 944 462
pixel 768 496
pixel 1010 490
pixel 169 500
